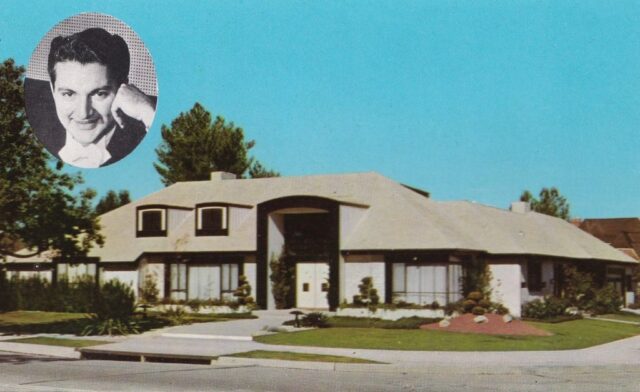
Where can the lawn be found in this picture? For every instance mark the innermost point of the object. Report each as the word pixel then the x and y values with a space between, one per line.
pixel 33 322
pixel 622 316
pixel 290 356
pixel 34 317
pixel 59 342
pixel 569 335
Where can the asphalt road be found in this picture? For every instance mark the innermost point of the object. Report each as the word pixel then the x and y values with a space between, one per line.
pixel 30 373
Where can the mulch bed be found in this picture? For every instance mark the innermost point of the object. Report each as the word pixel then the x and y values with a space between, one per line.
pixel 495 326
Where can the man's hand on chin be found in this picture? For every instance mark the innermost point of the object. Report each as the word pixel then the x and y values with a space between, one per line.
pixel 133 103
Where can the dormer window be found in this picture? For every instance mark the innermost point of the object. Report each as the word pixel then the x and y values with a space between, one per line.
pixel 211 220
pixel 152 222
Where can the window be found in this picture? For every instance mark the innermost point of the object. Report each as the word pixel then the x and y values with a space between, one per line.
pixel 424 284
pixel 178 286
pixel 152 222
pixel 208 281
pixel 73 272
pixel 211 220
pixel 229 277
pixel 534 275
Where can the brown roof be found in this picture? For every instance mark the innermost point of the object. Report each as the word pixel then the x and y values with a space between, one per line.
pixel 621 233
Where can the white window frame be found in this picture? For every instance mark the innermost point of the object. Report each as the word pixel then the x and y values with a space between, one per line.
pixel 223 211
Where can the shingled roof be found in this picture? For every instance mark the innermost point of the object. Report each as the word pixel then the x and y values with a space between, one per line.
pixel 621 233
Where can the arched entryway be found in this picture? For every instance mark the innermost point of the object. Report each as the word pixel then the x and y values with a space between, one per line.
pixel 303 233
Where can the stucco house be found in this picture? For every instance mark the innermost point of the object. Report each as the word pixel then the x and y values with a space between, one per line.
pixel 197 237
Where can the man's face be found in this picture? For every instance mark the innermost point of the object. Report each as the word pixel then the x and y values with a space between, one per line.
pixel 83 95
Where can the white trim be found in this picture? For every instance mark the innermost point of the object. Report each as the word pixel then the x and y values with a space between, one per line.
pixel 221 208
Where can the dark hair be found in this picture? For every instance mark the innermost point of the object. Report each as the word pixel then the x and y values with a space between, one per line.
pixel 93 45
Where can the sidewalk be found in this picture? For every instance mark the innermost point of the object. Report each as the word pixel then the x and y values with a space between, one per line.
pixel 208 341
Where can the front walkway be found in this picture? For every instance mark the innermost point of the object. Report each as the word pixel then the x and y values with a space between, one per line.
pixel 224 338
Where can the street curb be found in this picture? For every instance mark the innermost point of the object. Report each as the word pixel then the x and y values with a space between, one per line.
pixel 277 363
pixel 201 336
pixel 40 349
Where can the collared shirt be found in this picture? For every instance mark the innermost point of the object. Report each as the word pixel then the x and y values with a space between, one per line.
pixel 90 156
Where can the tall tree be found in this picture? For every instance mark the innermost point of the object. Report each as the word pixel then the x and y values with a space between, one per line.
pixel 112 200
pixel 194 146
pixel 37 206
pixel 258 171
pixel 550 202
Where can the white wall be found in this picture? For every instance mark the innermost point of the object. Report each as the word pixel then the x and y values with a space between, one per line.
pixel 275 241
pixel 506 286
pixel 350 216
pixel 358 267
pixel 176 217
pixel 237 217
pixel 127 277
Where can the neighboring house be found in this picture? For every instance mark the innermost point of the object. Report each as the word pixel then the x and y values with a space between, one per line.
pixel 197 237
pixel 621 233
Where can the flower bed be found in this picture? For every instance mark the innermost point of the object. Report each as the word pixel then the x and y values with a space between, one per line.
pixel 390 314
pixel 217 309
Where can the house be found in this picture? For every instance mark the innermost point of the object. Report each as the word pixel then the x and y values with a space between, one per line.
pixel 621 233
pixel 197 237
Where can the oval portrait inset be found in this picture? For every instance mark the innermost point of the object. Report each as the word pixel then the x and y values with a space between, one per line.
pixel 91 90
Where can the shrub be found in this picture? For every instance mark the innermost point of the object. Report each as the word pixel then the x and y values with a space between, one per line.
pixel 484 303
pixel 281 280
pixel 499 308
pixel 149 291
pixel 468 304
pixel 476 278
pixel 195 305
pixel 115 301
pixel 454 307
pixel 578 286
pixel 175 316
pixel 478 310
pixel 475 296
pixel 548 308
pixel 368 294
pixel 243 292
pixel 98 326
pixel 315 319
pixel 606 300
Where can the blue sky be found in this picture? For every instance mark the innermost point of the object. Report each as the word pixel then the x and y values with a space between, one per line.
pixel 472 100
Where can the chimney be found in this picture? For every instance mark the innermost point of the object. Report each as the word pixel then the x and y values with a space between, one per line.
pixel 220 175
pixel 520 207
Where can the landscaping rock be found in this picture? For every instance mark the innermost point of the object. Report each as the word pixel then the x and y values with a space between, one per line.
pixel 444 323
pixel 455 314
pixel 480 319
pixel 507 318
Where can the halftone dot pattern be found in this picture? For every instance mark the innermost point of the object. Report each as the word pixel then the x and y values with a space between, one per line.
pixel 142 72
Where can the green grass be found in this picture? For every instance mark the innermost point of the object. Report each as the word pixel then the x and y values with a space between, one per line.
pixel 58 342
pixel 32 322
pixel 623 316
pixel 569 335
pixel 290 356
pixel 25 317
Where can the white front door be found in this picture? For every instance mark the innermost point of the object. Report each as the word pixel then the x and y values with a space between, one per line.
pixel 312 285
